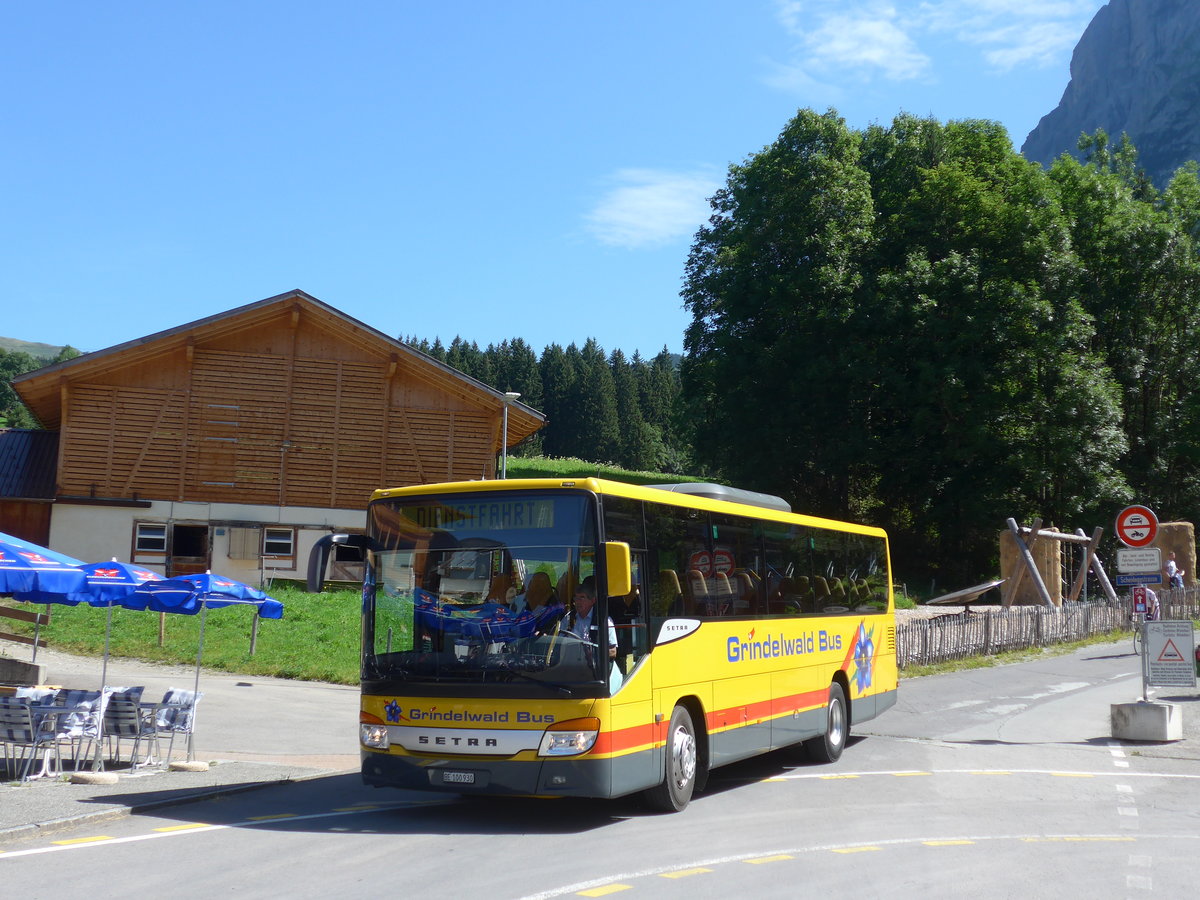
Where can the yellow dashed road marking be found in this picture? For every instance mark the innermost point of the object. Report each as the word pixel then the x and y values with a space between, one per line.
pixel 684 873
pixel 85 840
pixel 182 827
pixel 780 857
pixel 605 889
pixel 855 849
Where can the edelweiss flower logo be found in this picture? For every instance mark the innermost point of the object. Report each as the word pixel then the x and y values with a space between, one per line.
pixel 864 657
pixel 393 711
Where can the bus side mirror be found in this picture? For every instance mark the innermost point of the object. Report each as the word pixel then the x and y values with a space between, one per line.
pixel 618 568
pixel 318 557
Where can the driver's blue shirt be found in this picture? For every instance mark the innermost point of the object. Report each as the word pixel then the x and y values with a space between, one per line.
pixel 579 625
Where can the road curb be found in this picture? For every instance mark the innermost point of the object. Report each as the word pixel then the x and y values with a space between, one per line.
pixel 19 832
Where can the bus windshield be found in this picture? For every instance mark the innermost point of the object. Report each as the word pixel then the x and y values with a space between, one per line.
pixel 471 589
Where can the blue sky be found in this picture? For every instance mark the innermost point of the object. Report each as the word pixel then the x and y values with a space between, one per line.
pixel 489 170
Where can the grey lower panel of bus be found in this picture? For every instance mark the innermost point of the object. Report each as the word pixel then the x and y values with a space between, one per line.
pixel 560 777
pixel 613 777
pixel 743 743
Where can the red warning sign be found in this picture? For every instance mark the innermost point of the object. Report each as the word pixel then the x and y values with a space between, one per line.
pixel 1170 653
pixel 1137 526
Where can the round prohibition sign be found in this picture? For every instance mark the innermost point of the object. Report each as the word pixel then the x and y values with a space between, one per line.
pixel 1137 526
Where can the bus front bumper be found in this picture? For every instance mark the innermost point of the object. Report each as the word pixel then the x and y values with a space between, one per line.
pixel 480 775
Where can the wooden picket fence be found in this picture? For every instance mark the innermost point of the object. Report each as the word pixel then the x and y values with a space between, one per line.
pixel 987 631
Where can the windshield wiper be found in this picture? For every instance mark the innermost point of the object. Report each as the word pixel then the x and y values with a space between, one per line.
pixel 557 685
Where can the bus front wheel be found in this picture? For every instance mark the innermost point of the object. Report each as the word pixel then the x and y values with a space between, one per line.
pixel 679 779
pixel 828 746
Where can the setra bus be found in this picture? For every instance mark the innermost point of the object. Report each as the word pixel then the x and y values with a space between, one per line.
pixel 732 627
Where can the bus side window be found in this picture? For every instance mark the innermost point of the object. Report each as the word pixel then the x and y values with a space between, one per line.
pixel 668 601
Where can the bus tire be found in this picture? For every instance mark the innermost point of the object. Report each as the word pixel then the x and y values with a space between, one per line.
pixel 828 747
pixel 679 779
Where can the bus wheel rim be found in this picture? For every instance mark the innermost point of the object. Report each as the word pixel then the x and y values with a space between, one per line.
pixel 683 750
pixel 837 724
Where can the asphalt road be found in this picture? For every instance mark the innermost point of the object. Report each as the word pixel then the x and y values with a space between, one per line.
pixel 991 783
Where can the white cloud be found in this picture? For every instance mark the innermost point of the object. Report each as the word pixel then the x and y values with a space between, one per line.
pixel 832 37
pixel 1012 32
pixel 1038 45
pixel 652 207
pixel 865 39
pixel 871 40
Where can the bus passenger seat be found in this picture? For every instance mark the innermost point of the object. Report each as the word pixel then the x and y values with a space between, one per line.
pixel 722 595
pixel 565 588
pixel 498 589
pixel 669 601
pixel 744 602
pixel 697 600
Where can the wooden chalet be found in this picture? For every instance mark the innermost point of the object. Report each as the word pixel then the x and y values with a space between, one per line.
pixel 256 414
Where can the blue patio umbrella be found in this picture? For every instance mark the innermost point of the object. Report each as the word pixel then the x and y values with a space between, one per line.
pixel 191 594
pixel 25 566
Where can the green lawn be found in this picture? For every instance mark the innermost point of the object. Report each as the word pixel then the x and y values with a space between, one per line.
pixel 546 467
pixel 317 638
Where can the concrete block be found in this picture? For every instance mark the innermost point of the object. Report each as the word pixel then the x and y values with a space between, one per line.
pixel 1147 721
pixel 14 671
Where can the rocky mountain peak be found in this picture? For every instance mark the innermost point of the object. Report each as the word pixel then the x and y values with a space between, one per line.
pixel 1135 70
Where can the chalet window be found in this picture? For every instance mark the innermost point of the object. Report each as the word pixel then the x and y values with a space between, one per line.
pixel 245 543
pixel 279 542
pixel 150 538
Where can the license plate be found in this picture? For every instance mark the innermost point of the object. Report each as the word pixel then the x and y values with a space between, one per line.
pixel 459 777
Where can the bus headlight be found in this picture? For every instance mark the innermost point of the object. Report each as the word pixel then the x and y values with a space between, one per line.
pixel 569 738
pixel 374 736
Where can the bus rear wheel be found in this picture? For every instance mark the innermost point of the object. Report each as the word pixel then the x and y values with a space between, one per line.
pixel 679 779
pixel 828 747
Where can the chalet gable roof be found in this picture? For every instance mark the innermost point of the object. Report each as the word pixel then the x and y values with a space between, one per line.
pixel 27 464
pixel 41 390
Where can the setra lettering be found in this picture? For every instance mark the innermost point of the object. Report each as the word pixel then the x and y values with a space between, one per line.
pixel 439 740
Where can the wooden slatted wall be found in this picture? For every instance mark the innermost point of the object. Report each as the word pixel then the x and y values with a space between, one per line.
pixel 122 440
pixel 236 426
pixel 439 445
pixel 267 429
pixel 337 432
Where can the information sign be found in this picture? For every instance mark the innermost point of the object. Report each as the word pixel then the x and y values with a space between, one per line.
pixel 1139 599
pixel 1170 654
pixel 1141 578
pixel 1145 559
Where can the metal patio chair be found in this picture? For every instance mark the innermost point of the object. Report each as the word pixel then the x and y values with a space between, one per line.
pixel 176 715
pixel 20 730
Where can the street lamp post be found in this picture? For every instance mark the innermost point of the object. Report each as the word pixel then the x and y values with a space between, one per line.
pixel 509 397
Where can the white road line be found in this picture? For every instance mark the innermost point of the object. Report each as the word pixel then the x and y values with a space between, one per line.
pixel 202 828
pixel 932 842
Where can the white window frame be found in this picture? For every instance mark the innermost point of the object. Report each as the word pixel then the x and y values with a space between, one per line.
pixel 141 533
pixel 275 536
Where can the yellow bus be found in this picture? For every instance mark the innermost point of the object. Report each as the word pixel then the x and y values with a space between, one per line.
pixel 731 627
